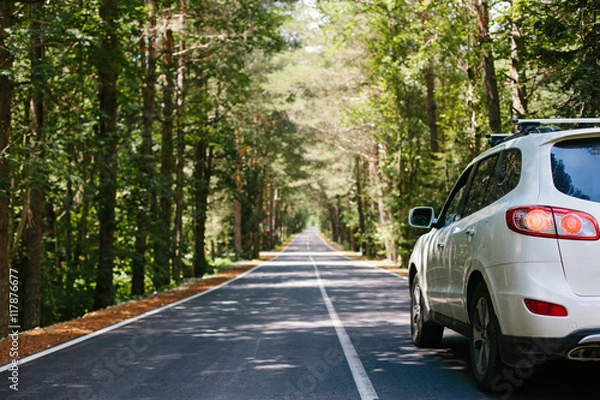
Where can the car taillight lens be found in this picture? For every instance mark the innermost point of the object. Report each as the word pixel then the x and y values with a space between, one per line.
pixel 572 224
pixel 552 222
pixel 545 308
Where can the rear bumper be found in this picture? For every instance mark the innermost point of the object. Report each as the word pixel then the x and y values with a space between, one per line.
pixel 525 352
pixel 510 284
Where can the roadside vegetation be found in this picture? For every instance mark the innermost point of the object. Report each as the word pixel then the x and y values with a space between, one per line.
pixel 146 141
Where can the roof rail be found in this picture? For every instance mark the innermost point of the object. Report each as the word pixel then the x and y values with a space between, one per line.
pixel 494 139
pixel 527 126
pixel 558 121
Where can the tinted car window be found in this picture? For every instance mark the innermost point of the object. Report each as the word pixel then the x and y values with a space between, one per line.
pixel 575 166
pixel 495 177
pixel 452 210
pixel 482 187
pixel 509 174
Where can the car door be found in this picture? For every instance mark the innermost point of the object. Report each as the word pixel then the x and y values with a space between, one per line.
pixel 437 274
pixel 493 177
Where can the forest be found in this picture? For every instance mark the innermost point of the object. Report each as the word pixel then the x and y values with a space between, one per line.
pixel 143 142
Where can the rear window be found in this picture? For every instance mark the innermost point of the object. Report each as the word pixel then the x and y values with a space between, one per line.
pixel 576 168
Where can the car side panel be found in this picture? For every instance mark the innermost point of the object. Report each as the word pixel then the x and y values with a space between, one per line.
pixel 459 252
pixel 436 273
pixel 427 259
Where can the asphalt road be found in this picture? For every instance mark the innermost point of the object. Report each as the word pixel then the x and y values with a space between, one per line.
pixel 310 324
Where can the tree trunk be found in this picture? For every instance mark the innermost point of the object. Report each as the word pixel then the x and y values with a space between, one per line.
pixel 338 223
pixel 384 221
pixel 430 85
pixel 517 75
pixel 237 208
pixel 276 220
pixel 202 175
pixel 162 249
pixel 107 67
pixel 146 192
pixel 362 225
pixel 257 212
pixel 6 63
pixel 432 108
pixel 487 59
pixel 237 229
pixel 272 196
pixel 32 266
pixel 179 174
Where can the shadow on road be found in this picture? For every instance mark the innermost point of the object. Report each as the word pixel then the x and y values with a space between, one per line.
pixel 556 379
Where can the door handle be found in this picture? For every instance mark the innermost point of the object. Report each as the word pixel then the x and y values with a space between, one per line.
pixel 440 246
pixel 470 233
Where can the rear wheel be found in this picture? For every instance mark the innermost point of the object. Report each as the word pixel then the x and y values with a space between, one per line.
pixel 424 334
pixel 483 342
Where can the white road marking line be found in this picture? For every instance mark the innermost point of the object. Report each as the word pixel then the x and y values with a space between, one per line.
pixel 99 332
pixel 361 378
pixel 102 331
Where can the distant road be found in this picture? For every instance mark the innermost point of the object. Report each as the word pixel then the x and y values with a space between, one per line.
pixel 310 324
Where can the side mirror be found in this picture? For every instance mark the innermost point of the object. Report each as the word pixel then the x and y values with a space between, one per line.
pixel 421 217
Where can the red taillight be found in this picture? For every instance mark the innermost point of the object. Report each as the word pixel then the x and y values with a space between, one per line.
pixel 572 224
pixel 552 222
pixel 537 220
pixel 545 308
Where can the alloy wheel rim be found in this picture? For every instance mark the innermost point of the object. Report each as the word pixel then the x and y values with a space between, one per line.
pixel 416 310
pixel 481 343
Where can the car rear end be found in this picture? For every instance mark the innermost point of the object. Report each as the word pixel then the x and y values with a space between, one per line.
pixel 547 290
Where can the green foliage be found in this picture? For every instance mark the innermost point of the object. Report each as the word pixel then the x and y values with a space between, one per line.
pixel 226 43
pixel 568 52
pixel 386 123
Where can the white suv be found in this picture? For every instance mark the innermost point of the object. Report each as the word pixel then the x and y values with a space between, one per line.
pixel 513 259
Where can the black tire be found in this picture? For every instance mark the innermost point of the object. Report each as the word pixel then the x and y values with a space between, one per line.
pixel 424 334
pixel 483 341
